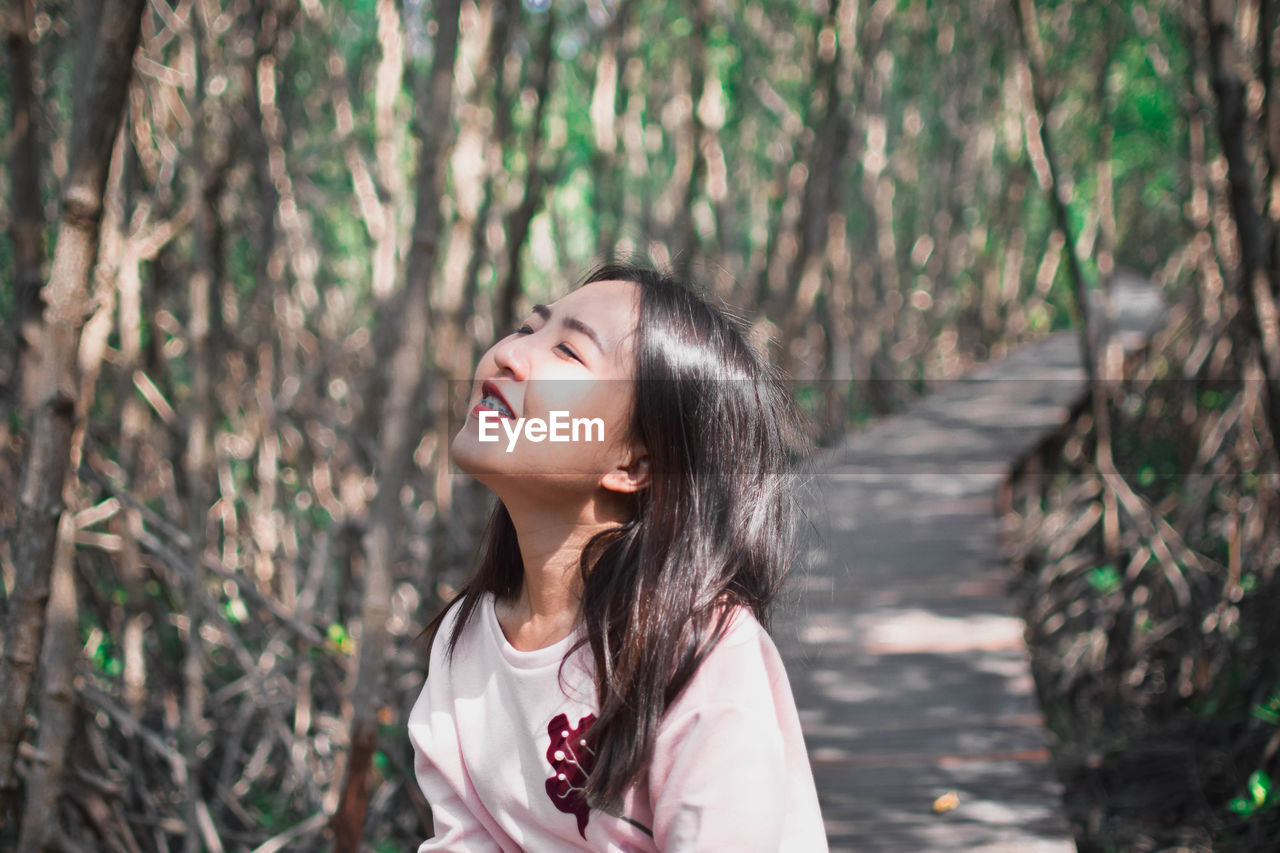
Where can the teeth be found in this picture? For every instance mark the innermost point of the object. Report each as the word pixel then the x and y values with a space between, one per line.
pixel 495 403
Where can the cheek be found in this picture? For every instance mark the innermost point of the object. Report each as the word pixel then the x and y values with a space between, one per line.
pixel 486 364
pixel 607 401
pixel 615 414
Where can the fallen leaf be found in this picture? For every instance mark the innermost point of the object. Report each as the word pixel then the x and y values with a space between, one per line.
pixel 947 802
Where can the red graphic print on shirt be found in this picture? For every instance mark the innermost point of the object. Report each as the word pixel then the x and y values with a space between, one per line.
pixel 571 760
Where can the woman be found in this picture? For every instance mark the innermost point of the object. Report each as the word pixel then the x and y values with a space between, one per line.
pixel 604 681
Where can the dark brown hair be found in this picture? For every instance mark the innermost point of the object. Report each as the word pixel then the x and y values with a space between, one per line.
pixel 713 530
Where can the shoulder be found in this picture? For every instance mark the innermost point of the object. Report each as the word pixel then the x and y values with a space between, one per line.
pixel 453 669
pixel 744 627
pixel 455 608
pixel 729 769
pixel 738 694
pixel 744 667
pixel 744 639
pixel 470 642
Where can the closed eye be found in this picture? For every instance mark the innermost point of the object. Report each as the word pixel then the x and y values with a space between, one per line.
pixel 526 329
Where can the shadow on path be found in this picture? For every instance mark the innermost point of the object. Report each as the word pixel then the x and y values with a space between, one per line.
pixel 904 652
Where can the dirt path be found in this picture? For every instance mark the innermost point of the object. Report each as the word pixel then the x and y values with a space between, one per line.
pixel 905 654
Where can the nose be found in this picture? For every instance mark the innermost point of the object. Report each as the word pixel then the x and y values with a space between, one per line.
pixel 511 355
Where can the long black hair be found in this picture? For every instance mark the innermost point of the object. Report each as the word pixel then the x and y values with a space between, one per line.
pixel 713 530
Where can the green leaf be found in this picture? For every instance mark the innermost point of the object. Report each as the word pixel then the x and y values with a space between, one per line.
pixel 1241 806
pixel 339 639
pixel 1104 579
pixel 1266 714
pixel 1259 787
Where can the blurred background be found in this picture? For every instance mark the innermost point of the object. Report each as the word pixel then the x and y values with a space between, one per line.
pixel 252 244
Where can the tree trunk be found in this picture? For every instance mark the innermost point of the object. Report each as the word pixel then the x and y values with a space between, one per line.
pixel 1256 280
pixel 26 229
pixel 1093 331
pixel 108 61
pixel 830 118
pixel 505 18
pixel 694 136
pixel 1038 108
pixel 395 439
pixel 1269 59
pixel 517 229
pixel 475 158
pixel 208 164
pixel 57 701
pixel 606 88
pixel 134 426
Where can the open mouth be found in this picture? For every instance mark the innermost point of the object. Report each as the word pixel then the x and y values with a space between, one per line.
pixel 491 398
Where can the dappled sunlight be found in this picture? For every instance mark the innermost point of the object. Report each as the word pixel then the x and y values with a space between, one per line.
pixel 906 655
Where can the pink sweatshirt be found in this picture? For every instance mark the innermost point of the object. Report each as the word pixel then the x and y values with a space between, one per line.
pixel 497 737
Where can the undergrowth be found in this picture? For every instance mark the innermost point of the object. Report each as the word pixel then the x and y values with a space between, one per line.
pixel 1152 600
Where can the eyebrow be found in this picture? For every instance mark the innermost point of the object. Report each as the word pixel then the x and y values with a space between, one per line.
pixel 572 323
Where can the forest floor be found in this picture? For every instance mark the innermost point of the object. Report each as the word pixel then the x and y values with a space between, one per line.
pixel 1149 585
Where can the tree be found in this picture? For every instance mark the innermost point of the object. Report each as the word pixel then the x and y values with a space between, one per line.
pixel 106 55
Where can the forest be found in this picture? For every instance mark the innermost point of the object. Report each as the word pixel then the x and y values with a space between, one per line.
pixel 253 249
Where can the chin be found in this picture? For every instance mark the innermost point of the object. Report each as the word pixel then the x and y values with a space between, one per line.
pixel 471 456
pixel 488 463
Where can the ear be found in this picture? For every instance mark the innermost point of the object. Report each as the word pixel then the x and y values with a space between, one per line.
pixel 631 475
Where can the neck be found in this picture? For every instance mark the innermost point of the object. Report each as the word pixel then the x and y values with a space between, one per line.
pixel 551 537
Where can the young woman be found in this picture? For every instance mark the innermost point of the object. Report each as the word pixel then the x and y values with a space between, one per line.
pixel 604 681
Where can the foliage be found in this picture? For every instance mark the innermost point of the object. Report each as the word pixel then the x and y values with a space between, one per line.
pixel 1166 707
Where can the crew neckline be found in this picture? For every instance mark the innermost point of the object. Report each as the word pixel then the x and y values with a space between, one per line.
pixel 535 659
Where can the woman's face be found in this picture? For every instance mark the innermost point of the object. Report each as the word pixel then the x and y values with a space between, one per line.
pixel 550 403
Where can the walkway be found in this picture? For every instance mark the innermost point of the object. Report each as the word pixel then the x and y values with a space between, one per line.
pixel 904 652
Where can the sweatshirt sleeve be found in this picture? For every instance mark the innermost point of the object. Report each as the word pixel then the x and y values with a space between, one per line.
pixel 730 771
pixel 457 828
pixel 461 822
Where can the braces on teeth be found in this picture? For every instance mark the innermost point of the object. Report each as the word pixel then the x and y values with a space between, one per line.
pixel 495 403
